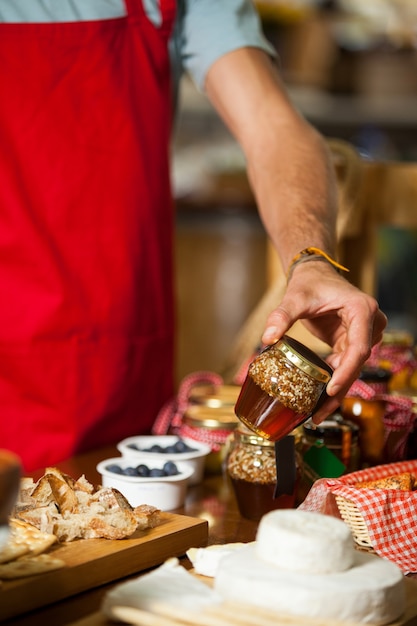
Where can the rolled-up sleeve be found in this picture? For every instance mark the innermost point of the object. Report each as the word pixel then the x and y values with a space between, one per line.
pixel 211 28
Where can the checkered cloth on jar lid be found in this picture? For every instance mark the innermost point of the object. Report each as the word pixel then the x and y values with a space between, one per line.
pixel 390 515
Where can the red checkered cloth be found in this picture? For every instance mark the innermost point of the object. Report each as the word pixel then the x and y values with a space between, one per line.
pixel 390 515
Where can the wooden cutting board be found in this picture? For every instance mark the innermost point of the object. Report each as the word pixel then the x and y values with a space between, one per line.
pixel 94 562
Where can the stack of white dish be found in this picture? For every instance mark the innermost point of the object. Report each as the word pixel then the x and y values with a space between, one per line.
pixel 137 449
pixel 166 492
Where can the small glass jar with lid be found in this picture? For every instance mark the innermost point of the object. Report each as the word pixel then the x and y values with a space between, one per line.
pixel 251 466
pixel 396 353
pixel 411 452
pixel 340 436
pixel 401 427
pixel 212 425
pixel 367 410
pixel 283 387
pixel 331 448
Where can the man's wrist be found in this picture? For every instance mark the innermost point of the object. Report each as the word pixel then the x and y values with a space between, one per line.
pixel 313 254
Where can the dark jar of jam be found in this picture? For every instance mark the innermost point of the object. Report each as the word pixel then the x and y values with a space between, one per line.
pixel 340 437
pixel 328 450
pixel 366 408
pixel 251 466
pixel 395 353
pixel 282 388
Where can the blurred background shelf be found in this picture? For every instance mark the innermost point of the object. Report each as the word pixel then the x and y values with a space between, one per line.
pixel 350 68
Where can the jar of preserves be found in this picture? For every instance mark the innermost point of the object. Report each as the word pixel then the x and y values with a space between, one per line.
pixel 214 396
pixel 396 353
pixel 365 406
pixel 213 426
pixel 251 466
pixel 329 449
pixel 412 437
pixel 401 426
pixel 282 388
pixel 339 436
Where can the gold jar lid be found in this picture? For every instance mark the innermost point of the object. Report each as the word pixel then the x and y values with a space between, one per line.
pixel 305 359
pixel 215 396
pixel 209 417
pixel 247 436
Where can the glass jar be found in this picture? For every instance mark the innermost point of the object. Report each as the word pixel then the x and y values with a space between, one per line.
pixel 214 396
pixel 251 466
pixel 328 450
pixel 213 426
pixel 401 426
pixel 396 354
pixel 368 413
pixel 412 437
pixel 339 436
pixel 282 388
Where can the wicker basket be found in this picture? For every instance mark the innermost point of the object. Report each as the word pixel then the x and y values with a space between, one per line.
pixel 350 514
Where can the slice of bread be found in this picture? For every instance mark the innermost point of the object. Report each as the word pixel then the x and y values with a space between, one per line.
pixel 401 482
pixel 73 509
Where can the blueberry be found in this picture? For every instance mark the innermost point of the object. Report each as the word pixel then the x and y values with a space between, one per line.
pixel 130 471
pixel 170 469
pixel 170 449
pixel 156 472
pixel 142 470
pixel 180 446
pixel 115 469
pixel 155 448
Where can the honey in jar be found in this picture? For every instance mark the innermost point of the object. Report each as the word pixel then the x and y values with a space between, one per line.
pixel 282 388
pixel 251 466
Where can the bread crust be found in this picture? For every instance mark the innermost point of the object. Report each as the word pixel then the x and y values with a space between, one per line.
pixel 401 482
pixel 74 509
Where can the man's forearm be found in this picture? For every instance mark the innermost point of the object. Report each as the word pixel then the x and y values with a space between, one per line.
pixel 293 179
pixel 296 198
pixel 288 162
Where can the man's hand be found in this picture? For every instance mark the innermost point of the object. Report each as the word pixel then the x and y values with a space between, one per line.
pixel 336 312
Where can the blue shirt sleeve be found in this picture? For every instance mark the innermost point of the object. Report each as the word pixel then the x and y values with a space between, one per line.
pixel 208 29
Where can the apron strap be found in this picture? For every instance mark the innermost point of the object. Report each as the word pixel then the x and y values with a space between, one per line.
pixel 167 9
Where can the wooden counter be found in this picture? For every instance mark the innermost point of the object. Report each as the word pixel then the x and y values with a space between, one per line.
pixel 212 501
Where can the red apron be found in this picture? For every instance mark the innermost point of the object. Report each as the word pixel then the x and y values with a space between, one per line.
pixel 86 224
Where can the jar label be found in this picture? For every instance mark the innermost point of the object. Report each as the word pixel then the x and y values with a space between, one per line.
pixel 286 466
pixel 320 462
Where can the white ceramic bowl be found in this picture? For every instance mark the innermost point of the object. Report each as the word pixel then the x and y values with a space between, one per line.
pixel 165 492
pixel 194 459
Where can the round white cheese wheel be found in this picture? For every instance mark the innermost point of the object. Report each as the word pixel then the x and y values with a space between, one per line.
pixel 371 591
pixel 303 541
